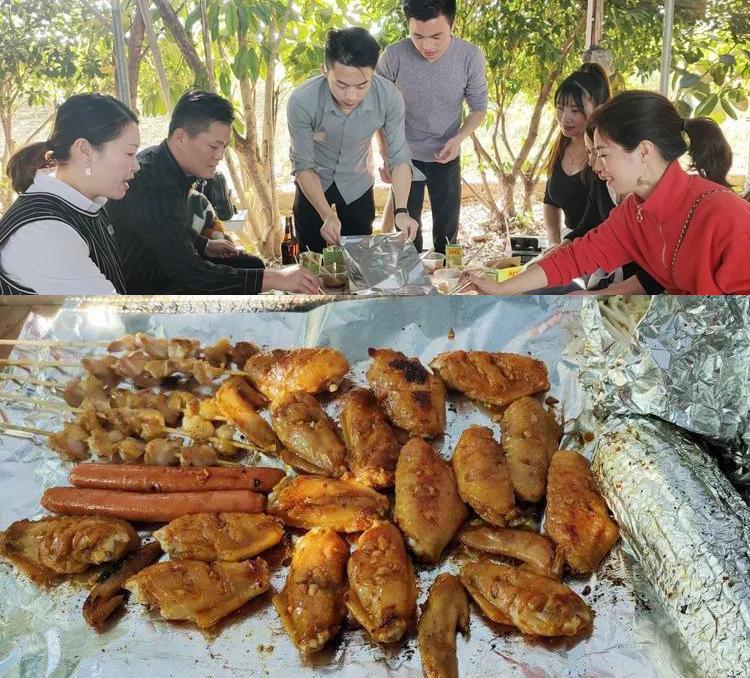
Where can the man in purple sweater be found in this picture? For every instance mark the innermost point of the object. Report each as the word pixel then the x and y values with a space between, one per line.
pixel 436 72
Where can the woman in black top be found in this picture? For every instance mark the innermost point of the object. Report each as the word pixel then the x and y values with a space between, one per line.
pixel 566 193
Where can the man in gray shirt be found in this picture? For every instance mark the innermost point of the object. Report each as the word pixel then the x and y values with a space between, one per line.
pixel 332 119
pixel 436 72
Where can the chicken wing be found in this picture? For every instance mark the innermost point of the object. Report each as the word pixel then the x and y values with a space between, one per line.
pixel 312 370
pixel 530 438
pixel 382 593
pixel 536 605
pixel 219 536
pixel 316 501
pixel 412 397
pixel 536 551
pixel 577 519
pixel 370 441
pixel 491 378
pixel 202 593
pixel 428 509
pixel 482 475
pixel 44 549
pixel 308 434
pixel 447 610
pixel 238 401
pixel 311 604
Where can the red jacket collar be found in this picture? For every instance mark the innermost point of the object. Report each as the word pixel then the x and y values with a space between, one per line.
pixel 668 192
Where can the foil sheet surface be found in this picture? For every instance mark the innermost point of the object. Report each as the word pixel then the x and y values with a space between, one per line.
pixel 690 531
pixel 42 633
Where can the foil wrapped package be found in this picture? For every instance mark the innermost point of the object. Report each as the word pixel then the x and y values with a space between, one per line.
pixel 688 363
pixel 384 265
pixel 690 531
pixel 42 633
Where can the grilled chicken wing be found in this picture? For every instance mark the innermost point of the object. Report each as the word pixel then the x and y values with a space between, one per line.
pixel 312 370
pixel 412 397
pixel 311 604
pixel 428 509
pixel 108 594
pixel 370 441
pixel 577 519
pixel 491 378
pixel 202 593
pixel 536 551
pixel 315 501
pixel 382 593
pixel 44 549
pixel 530 438
pixel 219 536
pixel 238 402
pixel 536 605
pixel 447 610
pixel 310 437
pixel 482 475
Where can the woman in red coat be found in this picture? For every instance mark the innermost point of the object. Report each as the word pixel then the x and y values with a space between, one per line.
pixel 691 232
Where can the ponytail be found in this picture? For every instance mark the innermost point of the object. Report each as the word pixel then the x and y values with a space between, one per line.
pixel 23 165
pixel 709 151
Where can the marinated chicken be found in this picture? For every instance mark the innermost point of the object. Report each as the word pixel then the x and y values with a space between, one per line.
pixel 491 378
pixel 311 604
pixel 371 443
pixel 219 536
pixel 482 476
pixel 530 438
pixel 446 611
pixel 108 594
pixel 412 397
pixel 577 519
pixel 537 553
pixel 382 593
pixel 308 434
pixel 313 370
pixel 316 501
pixel 47 548
pixel 202 593
pixel 70 443
pixel 238 401
pixel 536 605
pixel 428 508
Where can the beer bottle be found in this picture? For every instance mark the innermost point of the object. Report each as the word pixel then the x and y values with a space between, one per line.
pixel 290 245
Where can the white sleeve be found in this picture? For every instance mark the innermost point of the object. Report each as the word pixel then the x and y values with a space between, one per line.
pixel 50 257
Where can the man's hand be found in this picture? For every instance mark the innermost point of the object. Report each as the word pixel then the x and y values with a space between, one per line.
pixel 385 175
pixel 450 151
pixel 291 279
pixel 407 225
pixel 220 249
pixel 331 230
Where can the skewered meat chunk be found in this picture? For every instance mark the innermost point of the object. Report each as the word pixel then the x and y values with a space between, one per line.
pixel 412 397
pixel 491 378
pixel 428 509
pixel 131 449
pixel 198 455
pixel 202 593
pixel 102 368
pixel 105 444
pixel 70 443
pixel 46 548
pixel 162 452
pixel 311 604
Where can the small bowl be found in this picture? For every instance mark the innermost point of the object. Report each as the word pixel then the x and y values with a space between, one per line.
pixel 433 261
pixel 334 276
pixel 447 279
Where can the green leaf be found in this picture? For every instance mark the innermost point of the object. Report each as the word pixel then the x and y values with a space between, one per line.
pixel 253 65
pixel 728 109
pixel 717 73
pixel 740 103
pixel 728 59
pixel 225 84
pixel 707 105
pixel 689 80
pixel 683 108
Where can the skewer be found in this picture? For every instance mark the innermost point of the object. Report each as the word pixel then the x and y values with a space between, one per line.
pixel 50 342
pixel 62 365
pixel 22 379
pixel 461 288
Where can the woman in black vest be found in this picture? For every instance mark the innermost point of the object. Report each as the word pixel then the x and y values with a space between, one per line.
pixel 56 238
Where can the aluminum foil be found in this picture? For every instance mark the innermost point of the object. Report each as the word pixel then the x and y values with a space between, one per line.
pixel 43 633
pixel 690 531
pixel 688 363
pixel 384 265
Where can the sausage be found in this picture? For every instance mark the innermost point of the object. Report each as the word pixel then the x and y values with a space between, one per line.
pixel 168 479
pixel 146 506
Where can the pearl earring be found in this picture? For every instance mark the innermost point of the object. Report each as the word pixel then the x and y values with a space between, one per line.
pixel 643 180
pixel 87 171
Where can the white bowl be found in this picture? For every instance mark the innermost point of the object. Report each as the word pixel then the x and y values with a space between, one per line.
pixel 447 279
pixel 432 261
